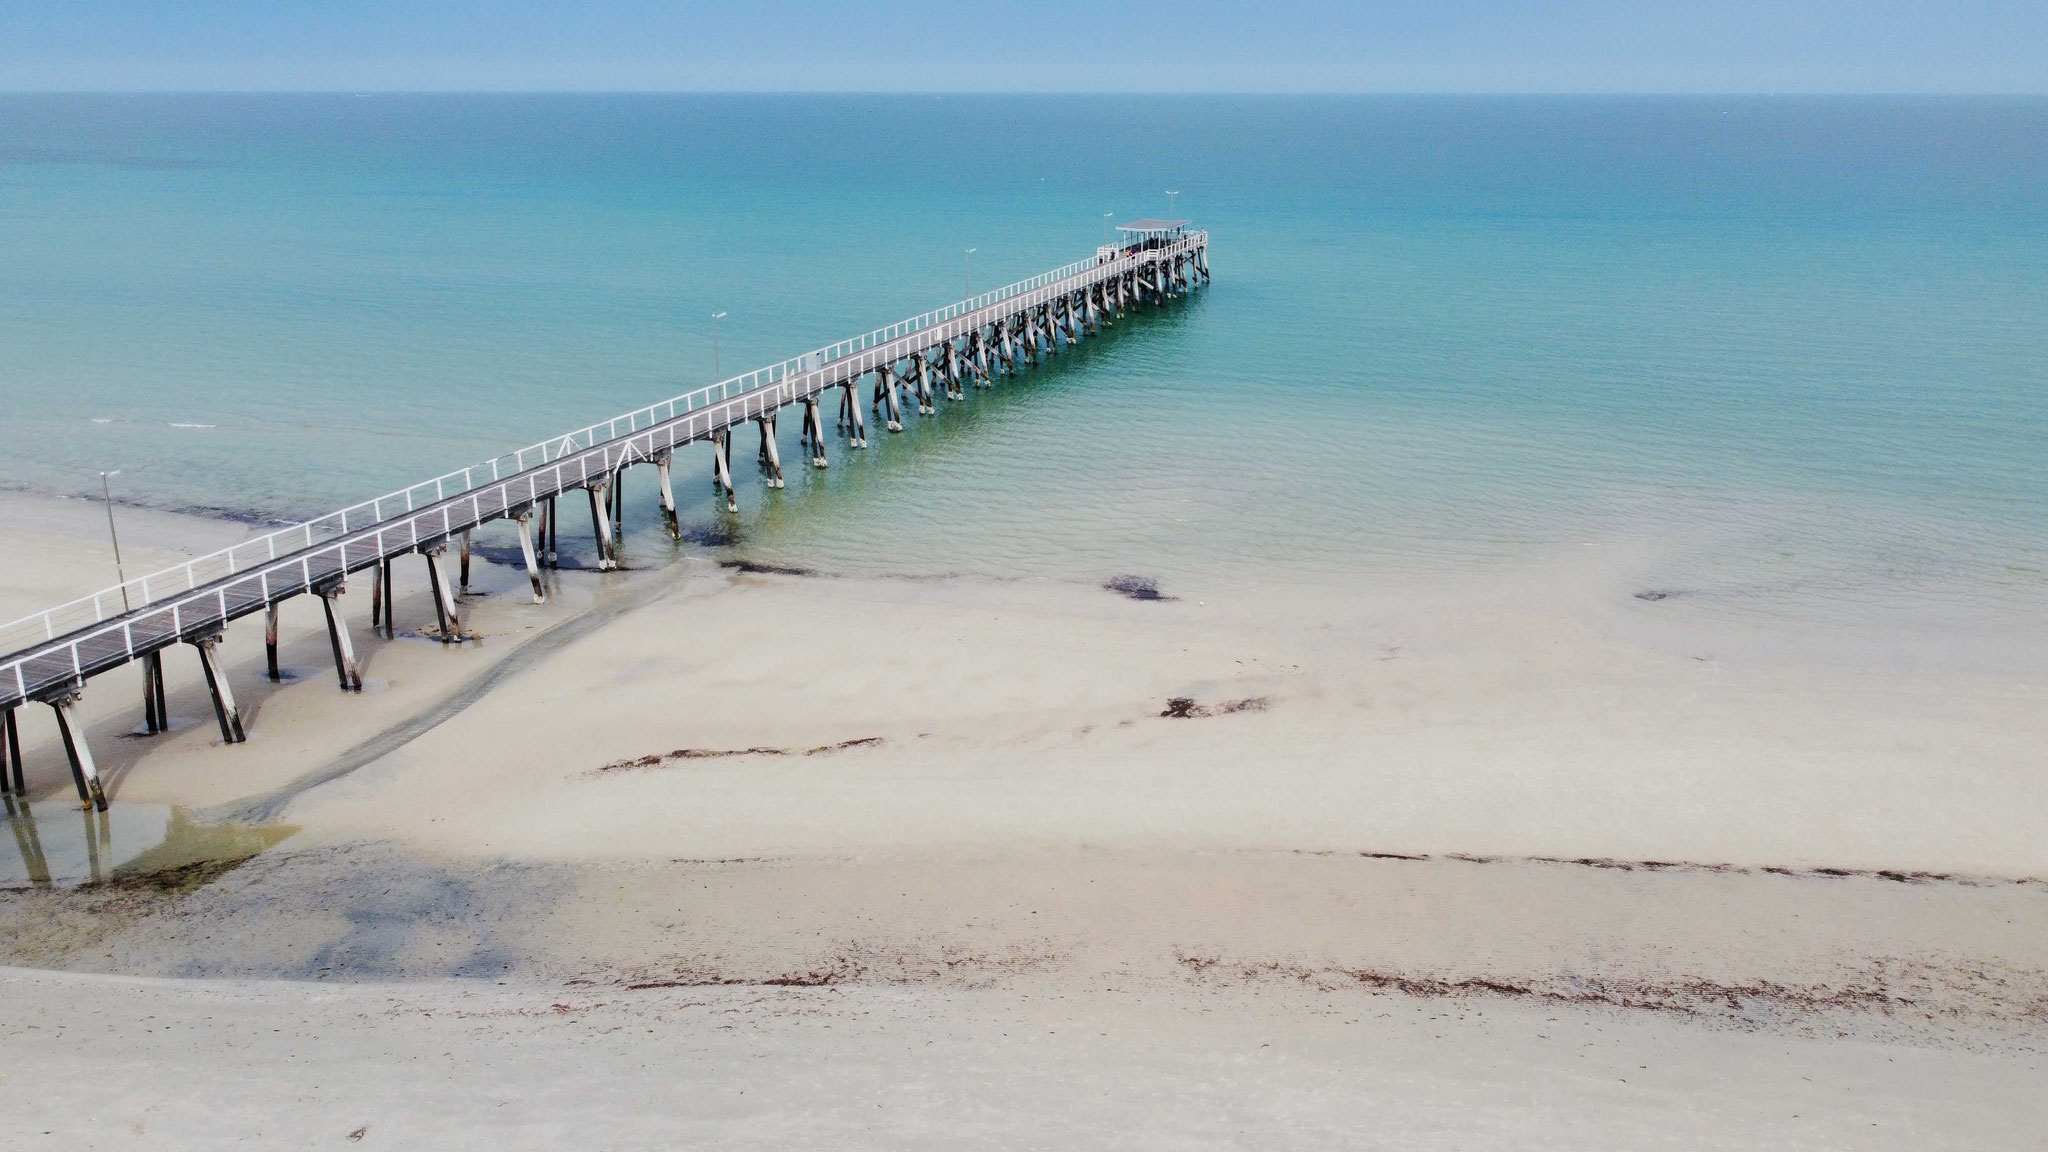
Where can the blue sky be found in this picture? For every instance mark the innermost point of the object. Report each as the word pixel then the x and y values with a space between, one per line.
pixel 1048 45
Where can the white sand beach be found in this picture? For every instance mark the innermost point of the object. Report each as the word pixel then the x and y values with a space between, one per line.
pixel 698 854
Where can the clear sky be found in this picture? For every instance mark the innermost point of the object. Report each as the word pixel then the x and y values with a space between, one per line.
pixel 1036 45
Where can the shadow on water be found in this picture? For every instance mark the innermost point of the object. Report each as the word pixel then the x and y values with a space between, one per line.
pixel 58 846
pixel 153 891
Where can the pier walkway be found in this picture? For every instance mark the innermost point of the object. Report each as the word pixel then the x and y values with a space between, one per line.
pixel 51 655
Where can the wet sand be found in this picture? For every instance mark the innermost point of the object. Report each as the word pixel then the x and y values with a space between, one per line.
pixel 761 830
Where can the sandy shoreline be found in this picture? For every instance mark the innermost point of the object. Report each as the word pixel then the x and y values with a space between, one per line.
pixel 944 801
pixel 472 1065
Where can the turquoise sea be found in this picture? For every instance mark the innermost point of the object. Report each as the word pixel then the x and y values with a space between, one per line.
pixel 1800 344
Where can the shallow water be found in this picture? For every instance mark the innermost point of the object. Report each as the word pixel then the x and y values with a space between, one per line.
pixel 1797 347
pixel 58 845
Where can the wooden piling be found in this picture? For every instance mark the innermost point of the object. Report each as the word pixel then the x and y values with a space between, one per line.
pixel 270 642
pixel 345 669
pixel 444 595
pixel 525 521
pixel 223 693
pixel 10 768
pixel 84 772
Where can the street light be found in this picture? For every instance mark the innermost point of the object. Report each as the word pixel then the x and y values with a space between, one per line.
pixel 1105 226
pixel 107 496
pixel 967 274
pixel 715 318
pixel 1170 194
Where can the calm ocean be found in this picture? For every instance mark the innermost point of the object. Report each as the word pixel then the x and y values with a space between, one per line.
pixel 1801 345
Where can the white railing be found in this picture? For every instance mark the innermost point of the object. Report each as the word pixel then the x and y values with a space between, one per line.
pixel 262 552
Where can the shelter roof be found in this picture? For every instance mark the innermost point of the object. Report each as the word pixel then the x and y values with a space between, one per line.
pixel 1152 225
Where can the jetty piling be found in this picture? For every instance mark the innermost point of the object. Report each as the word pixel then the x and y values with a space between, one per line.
pixel 217 686
pixel 338 639
pixel 668 496
pixel 524 519
pixel 445 610
pixel 269 645
pixel 84 772
pixel 770 459
pixel 601 522
pixel 721 467
pixel 10 769
pixel 155 716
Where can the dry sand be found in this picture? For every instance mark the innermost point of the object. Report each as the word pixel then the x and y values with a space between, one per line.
pixel 1436 864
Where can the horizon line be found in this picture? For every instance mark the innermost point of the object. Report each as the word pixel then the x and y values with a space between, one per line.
pixel 1126 93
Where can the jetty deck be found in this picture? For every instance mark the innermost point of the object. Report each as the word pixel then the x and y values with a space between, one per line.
pixel 50 656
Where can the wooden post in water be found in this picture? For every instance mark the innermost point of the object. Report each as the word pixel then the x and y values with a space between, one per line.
pixel 814 429
pixel 921 384
pixel 721 467
pixel 885 390
pixel 855 427
pixel 618 505
pixel 668 496
pixel 601 523
pixel 771 458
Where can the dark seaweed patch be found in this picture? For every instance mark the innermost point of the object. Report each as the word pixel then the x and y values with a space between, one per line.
pixel 1187 708
pixel 1893 875
pixel 843 745
pixel 657 759
pixel 1883 989
pixel 719 533
pixel 1137 588
pixel 758 568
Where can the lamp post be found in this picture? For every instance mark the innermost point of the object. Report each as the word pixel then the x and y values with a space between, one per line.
pixel 716 374
pixel 967 274
pixel 107 496
pixel 1170 194
pixel 1105 226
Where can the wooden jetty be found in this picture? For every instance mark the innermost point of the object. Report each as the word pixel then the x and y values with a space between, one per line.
pixel 52 654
